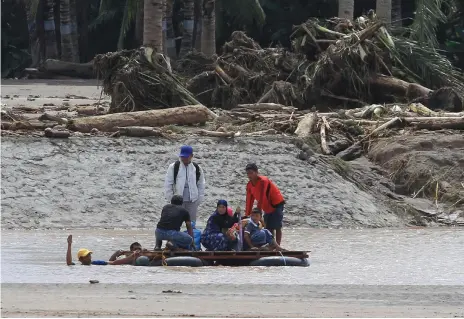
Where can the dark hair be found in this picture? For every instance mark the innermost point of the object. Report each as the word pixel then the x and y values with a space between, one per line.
pixel 133 245
pixel 251 167
pixel 177 200
pixel 256 210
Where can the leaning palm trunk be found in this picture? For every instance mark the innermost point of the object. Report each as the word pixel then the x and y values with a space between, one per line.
pixel 153 24
pixel 345 9
pixel 208 35
pixel 384 10
pixel 51 47
pixel 189 13
pixel 68 29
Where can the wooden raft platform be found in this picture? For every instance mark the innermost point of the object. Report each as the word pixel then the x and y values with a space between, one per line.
pixel 226 255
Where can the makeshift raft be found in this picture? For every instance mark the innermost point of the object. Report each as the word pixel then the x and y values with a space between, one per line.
pixel 228 258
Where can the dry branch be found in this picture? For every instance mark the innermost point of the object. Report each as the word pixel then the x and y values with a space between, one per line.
pixel 140 131
pixel 217 134
pixel 324 126
pixel 307 125
pixel 49 117
pixel 48 132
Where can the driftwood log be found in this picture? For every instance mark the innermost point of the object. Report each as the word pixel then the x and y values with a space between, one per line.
pixel 49 132
pixel 397 87
pixel 217 134
pixel 27 125
pixel 139 131
pixel 307 125
pixel 78 70
pixel 186 115
pixel 50 117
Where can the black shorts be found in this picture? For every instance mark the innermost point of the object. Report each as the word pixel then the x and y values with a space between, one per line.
pixel 274 220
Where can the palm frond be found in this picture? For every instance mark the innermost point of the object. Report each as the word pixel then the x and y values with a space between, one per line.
pixel 427 65
pixel 427 17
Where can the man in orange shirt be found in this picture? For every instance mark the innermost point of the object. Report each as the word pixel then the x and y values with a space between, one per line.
pixel 269 198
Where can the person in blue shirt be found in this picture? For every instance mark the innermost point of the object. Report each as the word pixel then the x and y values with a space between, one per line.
pixel 85 257
pixel 257 237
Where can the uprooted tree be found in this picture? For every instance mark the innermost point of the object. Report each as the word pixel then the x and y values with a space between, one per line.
pixel 333 62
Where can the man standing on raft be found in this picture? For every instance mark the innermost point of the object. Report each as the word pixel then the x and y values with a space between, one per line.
pixel 186 178
pixel 269 198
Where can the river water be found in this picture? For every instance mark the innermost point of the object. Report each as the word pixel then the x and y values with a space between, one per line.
pixel 362 256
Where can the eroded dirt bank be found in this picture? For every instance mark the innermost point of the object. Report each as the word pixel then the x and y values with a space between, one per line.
pixel 101 182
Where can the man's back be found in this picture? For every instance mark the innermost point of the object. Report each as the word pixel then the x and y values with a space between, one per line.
pixel 172 217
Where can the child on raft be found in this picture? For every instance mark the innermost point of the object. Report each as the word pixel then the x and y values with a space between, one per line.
pixel 258 237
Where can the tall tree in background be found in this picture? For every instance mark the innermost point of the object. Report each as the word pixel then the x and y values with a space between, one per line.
pixel 208 28
pixel 139 23
pixel 153 24
pixel 345 9
pixel 170 42
pixel 68 31
pixel 384 10
pixel 51 46
pixel 189 14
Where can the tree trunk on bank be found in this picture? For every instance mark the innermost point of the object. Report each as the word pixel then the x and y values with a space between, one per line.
pixel 83 29
pixel 35 31
pixel 208 36
pixel 185 115
pixel 345 9
pixel 384 10
pixel 165 30
pixel 397 14
pixel 170 42
pixel 68 30
pixel 153 24
pixel 51 47
pixel 197 25
pixel 139 23
pixel 78 70
pixel 186 45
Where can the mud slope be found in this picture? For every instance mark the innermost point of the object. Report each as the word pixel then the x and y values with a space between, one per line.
pixel 101 182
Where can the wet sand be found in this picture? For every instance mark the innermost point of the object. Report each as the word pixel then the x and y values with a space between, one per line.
pixel 86 300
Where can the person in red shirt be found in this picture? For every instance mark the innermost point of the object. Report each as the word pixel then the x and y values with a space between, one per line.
pixel 269 199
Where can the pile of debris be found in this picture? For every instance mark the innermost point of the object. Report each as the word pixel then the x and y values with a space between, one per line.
pixel 333 63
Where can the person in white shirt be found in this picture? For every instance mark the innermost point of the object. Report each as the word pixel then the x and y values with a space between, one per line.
pixel 186 178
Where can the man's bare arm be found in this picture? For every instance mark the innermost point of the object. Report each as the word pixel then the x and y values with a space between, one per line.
pixel 69 261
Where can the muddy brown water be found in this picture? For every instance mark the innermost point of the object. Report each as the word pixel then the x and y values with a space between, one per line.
pixel 362 257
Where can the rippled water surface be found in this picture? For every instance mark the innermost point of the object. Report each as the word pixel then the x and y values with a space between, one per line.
pixel 369 256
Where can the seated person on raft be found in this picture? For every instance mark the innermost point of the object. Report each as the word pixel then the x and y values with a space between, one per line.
pixel 219 234
pixel 172 217
pixel 85 257
pixel 256 236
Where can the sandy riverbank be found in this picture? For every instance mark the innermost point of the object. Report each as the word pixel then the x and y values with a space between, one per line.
pixel 112 300
pixel 102 182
